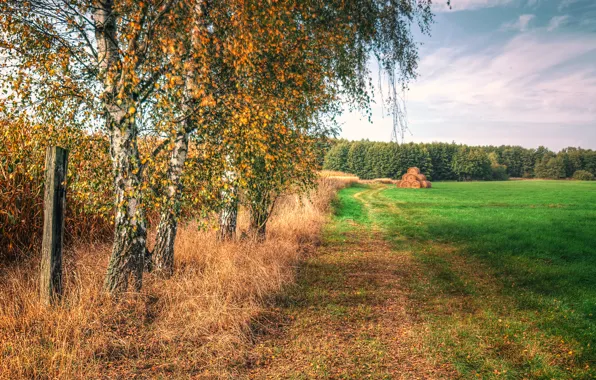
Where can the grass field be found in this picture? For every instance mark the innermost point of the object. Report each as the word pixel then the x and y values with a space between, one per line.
pixel 521 254
pixel 465 280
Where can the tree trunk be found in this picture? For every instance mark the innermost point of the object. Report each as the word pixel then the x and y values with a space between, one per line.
pixel 130 233
pixel 258 225
pixel 228 216
pixel 261 206
pixel 163 260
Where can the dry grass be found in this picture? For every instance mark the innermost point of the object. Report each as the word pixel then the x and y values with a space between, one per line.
pixel 354 178
pixel 338 175
pixel 197 323
pixel 386 181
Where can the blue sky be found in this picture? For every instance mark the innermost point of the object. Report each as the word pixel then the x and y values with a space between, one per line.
pixel 518 72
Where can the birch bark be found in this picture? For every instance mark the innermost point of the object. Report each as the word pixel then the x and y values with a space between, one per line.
pixel 130 232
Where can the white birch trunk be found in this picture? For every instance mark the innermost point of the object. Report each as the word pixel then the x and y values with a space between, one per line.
pixel 163 253
pixel 130 232
pixel 162 258
pixel 228 215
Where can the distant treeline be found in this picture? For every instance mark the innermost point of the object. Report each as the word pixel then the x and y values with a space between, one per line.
pixel 450 161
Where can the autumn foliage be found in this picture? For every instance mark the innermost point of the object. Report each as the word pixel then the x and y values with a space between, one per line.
pixel 22 154
pixel 170 109
pixel 181 94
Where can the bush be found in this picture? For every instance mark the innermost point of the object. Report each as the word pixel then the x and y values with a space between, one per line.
pixel 89 206
pixel 550 167
pixel 499 172
pixel 583 175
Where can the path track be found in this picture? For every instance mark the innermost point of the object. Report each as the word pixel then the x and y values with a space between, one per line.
pixel 351 314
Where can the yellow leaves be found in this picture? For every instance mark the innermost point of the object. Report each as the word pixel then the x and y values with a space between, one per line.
pixel 208 101
pixel 252 58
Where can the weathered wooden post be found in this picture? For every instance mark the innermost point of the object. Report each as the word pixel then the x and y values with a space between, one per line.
pixel 53 224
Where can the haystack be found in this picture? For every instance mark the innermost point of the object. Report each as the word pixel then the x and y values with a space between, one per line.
pixel 413 179
pixel 410 177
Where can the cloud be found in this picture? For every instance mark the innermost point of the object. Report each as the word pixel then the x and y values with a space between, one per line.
pixel 557 22
pixel 566 3
pixel 522 81
pixel 521 24
pixel 479 86
pixel 467 5
pixel 588 22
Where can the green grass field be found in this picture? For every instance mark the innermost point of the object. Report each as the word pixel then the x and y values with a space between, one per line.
pixel 490 280
pixel 507 282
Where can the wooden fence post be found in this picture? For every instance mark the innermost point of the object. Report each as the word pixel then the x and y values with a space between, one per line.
pixel 53 224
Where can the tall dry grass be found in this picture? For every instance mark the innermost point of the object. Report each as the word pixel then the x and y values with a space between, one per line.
pixel 338 175
pixel 199 322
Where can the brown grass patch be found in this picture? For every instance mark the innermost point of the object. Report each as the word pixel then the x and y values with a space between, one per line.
pixel 198 322
pixel 341 176
pixel 385 181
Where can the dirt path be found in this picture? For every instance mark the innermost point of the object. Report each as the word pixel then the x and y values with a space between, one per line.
pixel 349 316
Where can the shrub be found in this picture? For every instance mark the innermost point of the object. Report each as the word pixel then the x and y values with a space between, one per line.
pixel 89 205
pixel 499 172
pixel 550 167
pixel 583 175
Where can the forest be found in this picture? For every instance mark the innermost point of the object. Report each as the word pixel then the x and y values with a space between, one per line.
pixel 451 161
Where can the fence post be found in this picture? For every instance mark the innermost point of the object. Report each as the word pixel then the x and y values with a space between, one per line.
pixel 53 224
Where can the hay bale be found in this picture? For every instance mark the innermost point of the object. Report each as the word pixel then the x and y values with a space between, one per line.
pixel 410 177
pixel 413 179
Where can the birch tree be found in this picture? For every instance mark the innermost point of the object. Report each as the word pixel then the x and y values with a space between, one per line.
pixel 257 76
pixel 99 62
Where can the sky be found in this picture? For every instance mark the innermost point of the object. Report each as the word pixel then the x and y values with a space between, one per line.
pixel 514 72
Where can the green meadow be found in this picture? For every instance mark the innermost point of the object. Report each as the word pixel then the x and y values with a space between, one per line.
pixel 505 282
